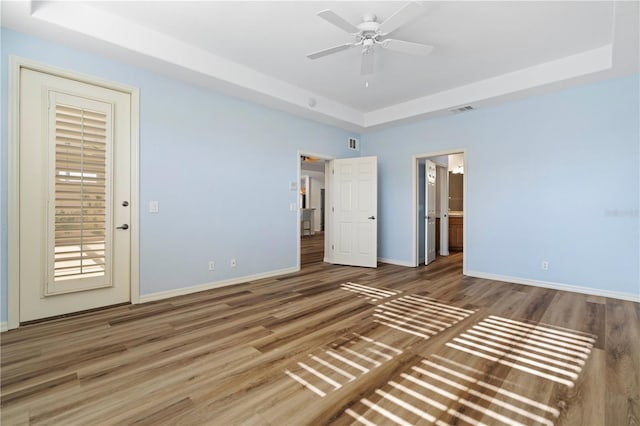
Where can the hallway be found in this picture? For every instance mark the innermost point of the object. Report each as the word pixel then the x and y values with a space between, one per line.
pixel 311 249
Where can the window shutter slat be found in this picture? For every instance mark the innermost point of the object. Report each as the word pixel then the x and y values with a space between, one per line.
pixel 80 216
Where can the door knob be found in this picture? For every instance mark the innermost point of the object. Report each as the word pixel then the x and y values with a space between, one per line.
pixel 125 227
pixel 372 217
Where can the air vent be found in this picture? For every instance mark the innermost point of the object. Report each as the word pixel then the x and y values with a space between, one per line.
pixel 461 109
pixel 354 144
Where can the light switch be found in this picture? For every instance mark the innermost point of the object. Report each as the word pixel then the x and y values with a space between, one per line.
pixel 293 186
pixel 153 207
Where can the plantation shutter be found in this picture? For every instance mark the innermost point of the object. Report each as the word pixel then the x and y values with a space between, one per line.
pixel 80 199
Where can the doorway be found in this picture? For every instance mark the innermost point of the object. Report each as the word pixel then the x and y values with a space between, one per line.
pixel 312 189
pixel 439 205
pixel 350 225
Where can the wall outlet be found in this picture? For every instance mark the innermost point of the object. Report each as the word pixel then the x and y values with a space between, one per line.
pixel 545 265
pixel 233 263
pixel 153 207
pixel 212 265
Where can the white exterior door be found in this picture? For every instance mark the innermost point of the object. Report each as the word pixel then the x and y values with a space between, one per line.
pixel 354 212
pixel 430 201
pixel 74 192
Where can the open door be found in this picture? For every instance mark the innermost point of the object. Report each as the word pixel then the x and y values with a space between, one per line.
pixel 355 211
pixel 430 218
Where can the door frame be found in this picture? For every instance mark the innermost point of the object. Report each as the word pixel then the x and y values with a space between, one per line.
pixel 443 183
pixel 426 211
pixel 414 196
pixel 327 185
pixel 16 64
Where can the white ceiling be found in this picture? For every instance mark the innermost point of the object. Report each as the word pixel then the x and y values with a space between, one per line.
pixel 484 52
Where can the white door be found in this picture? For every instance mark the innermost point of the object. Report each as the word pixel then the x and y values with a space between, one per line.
pixel 430 218
pixel 355 210
pixel 74 192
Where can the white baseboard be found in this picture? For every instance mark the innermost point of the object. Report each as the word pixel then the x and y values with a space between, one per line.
pixel 208 286
pixel 557 286
pixel 396 262
pixel 3 326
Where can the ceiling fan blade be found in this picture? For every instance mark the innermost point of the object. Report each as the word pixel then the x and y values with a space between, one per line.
pixel 368 61
pixel 338 21
pixel 409 47
pixel 329 51
pixel 405 14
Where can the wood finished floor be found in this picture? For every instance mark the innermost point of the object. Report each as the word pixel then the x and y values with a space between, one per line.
pixel 337 345
pixel 312 249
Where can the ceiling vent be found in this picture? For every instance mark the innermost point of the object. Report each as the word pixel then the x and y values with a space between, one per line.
pixel 354 144
pixel 461 109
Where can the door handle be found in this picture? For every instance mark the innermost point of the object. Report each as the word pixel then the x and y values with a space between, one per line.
pixel 371 217
pixel 124 227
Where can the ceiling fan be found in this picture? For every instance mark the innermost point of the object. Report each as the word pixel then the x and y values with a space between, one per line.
pixel 370 33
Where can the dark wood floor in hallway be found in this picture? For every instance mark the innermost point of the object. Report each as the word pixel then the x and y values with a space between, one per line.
pixel 312 249
pixel 334 345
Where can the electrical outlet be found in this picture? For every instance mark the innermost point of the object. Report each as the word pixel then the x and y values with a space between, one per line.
pixel 545 265
pixel 233 263
pixel 212 265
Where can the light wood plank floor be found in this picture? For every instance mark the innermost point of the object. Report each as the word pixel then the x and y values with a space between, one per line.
pixel 337 345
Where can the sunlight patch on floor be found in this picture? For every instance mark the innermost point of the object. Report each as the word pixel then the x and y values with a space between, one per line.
pixel 371 293
pixel 436 392
pixel 419 315
pixel 551 353
pixel 328 370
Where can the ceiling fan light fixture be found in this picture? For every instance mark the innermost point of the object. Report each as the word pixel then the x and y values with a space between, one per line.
pixel 370 32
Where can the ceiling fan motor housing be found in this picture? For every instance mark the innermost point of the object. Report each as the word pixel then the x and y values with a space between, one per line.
pixel 369 28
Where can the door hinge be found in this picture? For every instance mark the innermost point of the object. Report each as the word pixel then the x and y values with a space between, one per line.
pixel 332 248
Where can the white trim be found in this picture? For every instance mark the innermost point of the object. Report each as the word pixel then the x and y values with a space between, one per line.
pixel 215 72
pixel 179 58
pixel 414 184
pixel 13 195
pixel 512 85
pixel 3 326
pixel 216 284
pixel 395 262
pixel 444 207
pixel 134 277
pixel 13 181
pixel 556 286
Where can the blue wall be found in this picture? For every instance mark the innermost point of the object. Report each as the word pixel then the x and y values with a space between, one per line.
pixel 219 167
pixel 552 177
